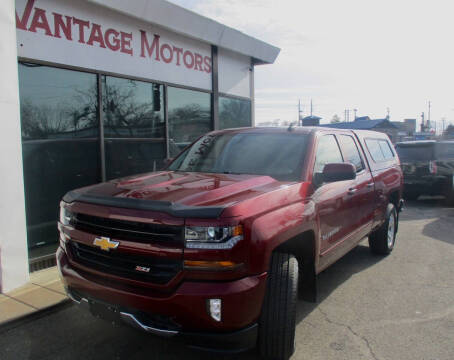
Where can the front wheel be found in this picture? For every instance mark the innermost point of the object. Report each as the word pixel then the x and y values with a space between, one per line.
pixel 277 320
pixel 382 240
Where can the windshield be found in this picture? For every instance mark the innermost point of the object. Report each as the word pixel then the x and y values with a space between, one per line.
pixel 415 152
pixel 277 155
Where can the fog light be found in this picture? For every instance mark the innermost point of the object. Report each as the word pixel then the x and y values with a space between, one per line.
pixel 215 306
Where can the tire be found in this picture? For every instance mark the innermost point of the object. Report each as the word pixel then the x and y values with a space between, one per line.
pixel 277 320
pixel 382 240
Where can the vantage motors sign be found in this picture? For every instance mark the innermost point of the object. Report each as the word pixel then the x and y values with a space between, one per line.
pixel 84 35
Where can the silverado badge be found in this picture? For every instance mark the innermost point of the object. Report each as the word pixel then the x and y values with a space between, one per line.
pixel 105 243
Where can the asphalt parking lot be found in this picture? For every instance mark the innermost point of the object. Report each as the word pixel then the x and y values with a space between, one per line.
pixel 398 307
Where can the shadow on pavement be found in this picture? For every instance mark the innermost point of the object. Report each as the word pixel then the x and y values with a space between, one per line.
pixel 440 217
pixel 357 260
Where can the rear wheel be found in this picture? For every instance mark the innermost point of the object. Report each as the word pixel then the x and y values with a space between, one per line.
pixel 277 320
pixel 382 240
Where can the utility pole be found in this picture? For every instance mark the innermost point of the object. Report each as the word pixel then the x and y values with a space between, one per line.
pixel 423 128
pixel 311 107
pixel 300 118
pixel 428 114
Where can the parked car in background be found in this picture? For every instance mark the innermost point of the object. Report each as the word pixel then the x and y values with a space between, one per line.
pixel 215 249
pixel 428 168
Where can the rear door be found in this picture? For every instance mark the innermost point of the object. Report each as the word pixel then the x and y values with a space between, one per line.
pixel 361 190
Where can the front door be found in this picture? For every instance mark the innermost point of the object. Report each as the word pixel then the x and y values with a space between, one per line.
pixel 335 205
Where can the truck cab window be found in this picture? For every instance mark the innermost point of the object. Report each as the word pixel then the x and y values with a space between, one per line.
pixel 350 151
pixel 386 149
pixel 327 152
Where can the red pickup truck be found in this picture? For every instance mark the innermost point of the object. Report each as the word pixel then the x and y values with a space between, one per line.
pixel 215 249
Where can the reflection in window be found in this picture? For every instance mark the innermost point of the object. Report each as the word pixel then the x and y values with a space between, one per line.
pixel 375 150
pixel 234 113
pixel 57 103
pixel 386 149
pixel 277 155
pixel 132 109
pixel 59 143
pixel 189 117
pixel 350 151
pixel 327 152
pixel 126 157
pixel 134 126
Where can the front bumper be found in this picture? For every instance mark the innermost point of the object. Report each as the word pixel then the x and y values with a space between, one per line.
pixel 182 314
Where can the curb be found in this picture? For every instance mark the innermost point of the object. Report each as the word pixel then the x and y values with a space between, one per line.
pixel 22 320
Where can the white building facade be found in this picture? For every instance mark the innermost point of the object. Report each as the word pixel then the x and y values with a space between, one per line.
pixel 95 90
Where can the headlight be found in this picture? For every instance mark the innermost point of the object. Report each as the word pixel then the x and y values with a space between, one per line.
pixel 213 237
pixel 66 216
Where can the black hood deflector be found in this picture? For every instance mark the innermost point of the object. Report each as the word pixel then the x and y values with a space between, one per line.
pixel 177 210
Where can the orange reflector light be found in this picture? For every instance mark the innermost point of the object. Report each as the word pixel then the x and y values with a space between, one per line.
pixel 216 265
pixel 237 230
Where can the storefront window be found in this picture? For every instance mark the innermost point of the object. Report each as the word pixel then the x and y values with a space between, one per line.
pixel 189 117
pixel 134 126
pixel 61 134
pixel 59 144
pixel 234 113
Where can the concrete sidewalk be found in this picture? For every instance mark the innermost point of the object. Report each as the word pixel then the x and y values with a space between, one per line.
pixel 44 290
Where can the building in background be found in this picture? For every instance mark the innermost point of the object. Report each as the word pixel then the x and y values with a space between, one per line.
pixel 406 129
pixel 106 89
pixel 365 123
pixel 311 120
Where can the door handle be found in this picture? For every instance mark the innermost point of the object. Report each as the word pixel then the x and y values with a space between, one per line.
pixel 351 191
pixel 370 185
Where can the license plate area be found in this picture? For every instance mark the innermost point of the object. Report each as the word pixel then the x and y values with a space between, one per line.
pixel 104 311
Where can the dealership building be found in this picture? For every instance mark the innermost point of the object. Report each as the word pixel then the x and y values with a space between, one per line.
pixel 94 90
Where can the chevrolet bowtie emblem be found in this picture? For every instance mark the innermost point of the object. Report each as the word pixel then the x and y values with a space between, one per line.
pixel 105 243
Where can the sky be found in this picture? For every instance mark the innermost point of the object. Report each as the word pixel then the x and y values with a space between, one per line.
pixel 349 54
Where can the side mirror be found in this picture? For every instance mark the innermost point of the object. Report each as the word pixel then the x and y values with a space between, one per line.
pixel 338 172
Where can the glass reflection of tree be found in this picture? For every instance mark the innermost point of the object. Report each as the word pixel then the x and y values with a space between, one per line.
pixel 188 122
pixel 235 113
pixel 73 117
pixel 125 115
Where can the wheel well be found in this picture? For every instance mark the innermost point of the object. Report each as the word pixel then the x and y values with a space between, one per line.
pixel 302 247
pixel 394 198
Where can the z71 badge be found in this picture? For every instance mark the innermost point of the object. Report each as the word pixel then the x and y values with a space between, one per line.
pixel 142 269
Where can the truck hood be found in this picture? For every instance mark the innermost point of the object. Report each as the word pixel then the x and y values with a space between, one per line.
pixel 186 189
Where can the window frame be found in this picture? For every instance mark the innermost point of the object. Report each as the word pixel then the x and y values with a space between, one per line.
pixel 317 147
pixel 378 140
pixel 363 164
